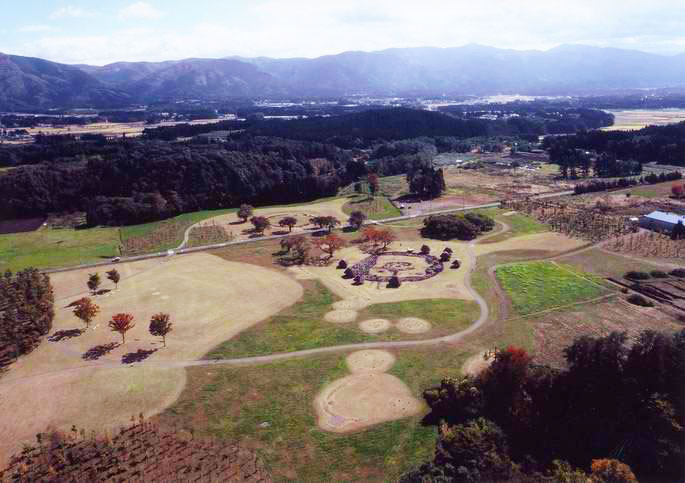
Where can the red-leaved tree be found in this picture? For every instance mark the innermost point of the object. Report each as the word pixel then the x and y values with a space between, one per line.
pixel 85 310
pixel 122 323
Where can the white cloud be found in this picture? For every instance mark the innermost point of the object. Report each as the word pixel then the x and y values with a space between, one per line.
pixel 70 11
pixel 139 10
pixel 311 28
pixel 35 28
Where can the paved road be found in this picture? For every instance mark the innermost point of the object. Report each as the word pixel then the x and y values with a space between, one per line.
pixel 181 250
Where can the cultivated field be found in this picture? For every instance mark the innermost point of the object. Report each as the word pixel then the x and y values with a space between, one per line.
pixel 638 118
pixel 114 129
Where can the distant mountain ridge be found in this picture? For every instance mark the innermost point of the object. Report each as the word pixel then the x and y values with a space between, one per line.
pixel 427 71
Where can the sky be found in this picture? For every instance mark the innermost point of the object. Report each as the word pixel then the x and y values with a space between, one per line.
pixel 102 32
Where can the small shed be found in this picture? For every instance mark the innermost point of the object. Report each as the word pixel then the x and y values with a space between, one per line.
pixel 661 221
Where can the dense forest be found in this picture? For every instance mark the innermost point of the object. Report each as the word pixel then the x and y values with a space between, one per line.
pixel 523 422
pixel 663 144
pixel 26 312
pixel 145 181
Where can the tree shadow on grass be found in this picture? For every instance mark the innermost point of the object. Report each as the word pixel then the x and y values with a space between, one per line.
pixel 94 353
pixel 138 356
pixel 65 334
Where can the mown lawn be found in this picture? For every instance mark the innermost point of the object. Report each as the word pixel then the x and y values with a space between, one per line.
pixel 302 326
pixel 50 248
pixel 538 286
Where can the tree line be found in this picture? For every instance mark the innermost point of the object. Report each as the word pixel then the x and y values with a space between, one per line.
pixel 26 312
pixel 524 422
pixel 652 178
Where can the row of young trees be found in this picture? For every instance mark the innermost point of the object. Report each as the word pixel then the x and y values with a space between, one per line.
pixel 86 310
pixel 524 422
pixel 26 312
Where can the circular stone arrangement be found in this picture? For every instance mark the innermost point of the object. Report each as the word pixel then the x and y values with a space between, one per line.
pixel 413 325
pixel 371 360
pixel 341 316
pixel 363 268
pixel 375 326
pixel 351 304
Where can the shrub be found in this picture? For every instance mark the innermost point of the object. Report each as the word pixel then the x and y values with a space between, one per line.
pixel 678 272
pixel 359 280
pixel 637 299
pixel 658 274
pixel 394 282
pixel 637 276
pixel 455 264
pixel 449 227
pixel 341 264
pixel 483 222
pixel 348 273
pixel 445 257
pixel 425 249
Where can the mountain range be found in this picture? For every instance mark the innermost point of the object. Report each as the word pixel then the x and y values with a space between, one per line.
pixel 31 83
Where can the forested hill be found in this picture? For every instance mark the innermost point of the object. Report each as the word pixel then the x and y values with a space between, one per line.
pixel 663 144
pixel 30 83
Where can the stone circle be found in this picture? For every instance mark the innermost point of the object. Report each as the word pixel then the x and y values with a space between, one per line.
pixel 341 316
pixel 375 326
pixel 413 325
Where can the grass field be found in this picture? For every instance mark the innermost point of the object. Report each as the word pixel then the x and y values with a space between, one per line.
pixel 375 208
pixel 538 286
pixel 233 403
pixel 659 190
pixel 302 326
pixel 607 264
pixel 49 248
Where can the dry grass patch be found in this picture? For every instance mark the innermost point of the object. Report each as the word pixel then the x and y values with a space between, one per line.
pixel 81 381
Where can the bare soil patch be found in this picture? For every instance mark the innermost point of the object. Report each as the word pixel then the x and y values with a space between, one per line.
pixel 447 284
pixel 239 230
pixel 367 397
pixel 556 330
pixel 476 364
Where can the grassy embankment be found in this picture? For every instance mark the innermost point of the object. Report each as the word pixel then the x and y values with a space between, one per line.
pixel 50 248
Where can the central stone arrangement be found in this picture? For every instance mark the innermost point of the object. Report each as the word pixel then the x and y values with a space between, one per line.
pixel 408 267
